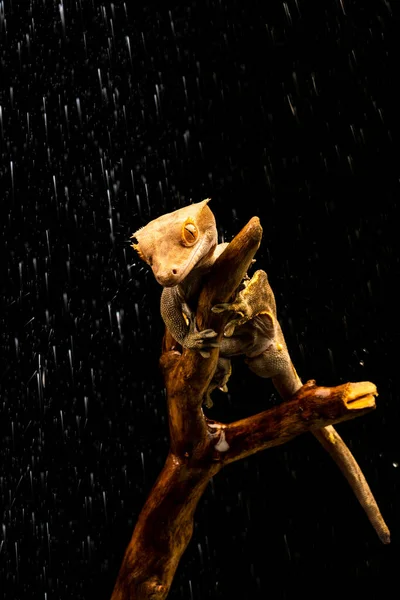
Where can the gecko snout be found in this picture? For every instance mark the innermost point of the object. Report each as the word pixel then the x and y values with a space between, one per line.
pixel 168 277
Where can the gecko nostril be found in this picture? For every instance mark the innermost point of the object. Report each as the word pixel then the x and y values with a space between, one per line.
pixel 174 271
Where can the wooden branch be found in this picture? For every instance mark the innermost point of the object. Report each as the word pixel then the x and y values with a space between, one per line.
pixel 166 521
pixel 162 532
pixel 165 524
pixel 200 447
pixel 311 408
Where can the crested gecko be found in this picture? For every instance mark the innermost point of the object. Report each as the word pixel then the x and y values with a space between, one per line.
pixel 180 247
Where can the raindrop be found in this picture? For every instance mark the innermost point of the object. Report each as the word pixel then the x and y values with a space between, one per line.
pixel 55 187
pixel 12 176
pixel 143 42
pixel 172 23
pixel 142 457
pixel 184 87
pixel 109 313
pixel 128 43
pixel 89 546
pixel 105 504
pixel 186 137
pixel 48 537
pixel 66 117
pixel 139 204
pixel 100 81
pixel 287 546
pixel 118 315
pixel 39 384
pixel 70 362
pixel 331 360
pixel 62 16
pixel 147 196
pixel 16 558
pixel 78 106
pixel 287 12
pixel 201 553
pixel 48 241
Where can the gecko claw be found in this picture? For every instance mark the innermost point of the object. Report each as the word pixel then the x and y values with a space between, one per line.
pixel 208 333
pixel 230 327
pixel 219 308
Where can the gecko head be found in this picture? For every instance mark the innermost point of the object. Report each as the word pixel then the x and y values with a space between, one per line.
pixel 175 243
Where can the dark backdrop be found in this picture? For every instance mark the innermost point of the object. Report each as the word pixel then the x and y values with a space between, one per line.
pixel 112 114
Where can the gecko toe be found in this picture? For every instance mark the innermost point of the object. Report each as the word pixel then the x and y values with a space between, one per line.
pixel 218 308
pixel 208 333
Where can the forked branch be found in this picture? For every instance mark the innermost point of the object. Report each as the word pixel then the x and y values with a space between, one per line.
pixel 200 447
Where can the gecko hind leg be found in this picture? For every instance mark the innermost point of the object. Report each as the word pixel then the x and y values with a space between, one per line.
pixel 219 380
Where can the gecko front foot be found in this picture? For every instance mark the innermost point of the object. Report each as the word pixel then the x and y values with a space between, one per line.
pixel 202 341
pixel 254 298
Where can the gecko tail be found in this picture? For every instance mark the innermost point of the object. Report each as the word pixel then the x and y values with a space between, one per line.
pixel 333 443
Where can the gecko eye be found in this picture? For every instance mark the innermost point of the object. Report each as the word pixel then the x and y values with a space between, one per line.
pixel 134 240
pixel 189 233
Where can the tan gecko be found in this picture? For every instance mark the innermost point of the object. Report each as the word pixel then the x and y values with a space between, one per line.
pixel 180 247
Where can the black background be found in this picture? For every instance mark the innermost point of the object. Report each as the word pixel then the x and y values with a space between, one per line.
pixel 112 114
